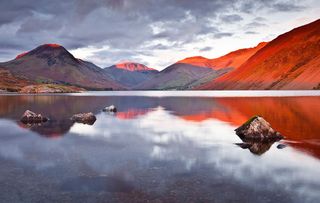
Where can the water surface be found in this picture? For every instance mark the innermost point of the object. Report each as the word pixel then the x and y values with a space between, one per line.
pixel 159 147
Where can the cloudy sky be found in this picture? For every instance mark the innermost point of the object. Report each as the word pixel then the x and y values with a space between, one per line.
pixel 154 32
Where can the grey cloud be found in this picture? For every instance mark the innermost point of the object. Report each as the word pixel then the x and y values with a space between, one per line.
pixel 260 19
pixel 206 49
pixel 231 18
pixel 222 34
pixel 271 5
pixel 251 32
pixel 122 24
pixel 158 46
pixel 255 24
pixel 288 6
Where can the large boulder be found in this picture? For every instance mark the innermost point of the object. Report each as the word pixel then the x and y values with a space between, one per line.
pixel 257 128
pixel 86 118
pixel 111 108
pixel 31 117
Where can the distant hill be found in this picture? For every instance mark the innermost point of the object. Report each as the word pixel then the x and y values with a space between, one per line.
pixel 52 63
pixel 233 59
pixel 196 71
pixel 130 74
pixel 291 61
pixel 182 76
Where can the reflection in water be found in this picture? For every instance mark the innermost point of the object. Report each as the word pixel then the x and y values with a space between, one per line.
pixel 294 117
pixel 158 149
pixel 49 129
pixel 256 147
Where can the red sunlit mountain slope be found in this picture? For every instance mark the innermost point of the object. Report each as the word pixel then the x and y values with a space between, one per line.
pixel 231 60
pixel 291 61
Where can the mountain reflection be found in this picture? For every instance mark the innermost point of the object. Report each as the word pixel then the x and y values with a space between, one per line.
pixel 295 117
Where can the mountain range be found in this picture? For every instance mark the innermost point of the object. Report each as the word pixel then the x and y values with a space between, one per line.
pixel 290 61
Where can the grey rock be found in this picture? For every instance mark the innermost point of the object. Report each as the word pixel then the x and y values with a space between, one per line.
pixel 257 128
pixel 111 108
pixel 31 117
pixel 86 118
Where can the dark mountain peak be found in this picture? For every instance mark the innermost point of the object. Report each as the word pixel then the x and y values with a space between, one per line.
pixel 52 53
pixel 52 63
pixel 46 50
pixel 52 45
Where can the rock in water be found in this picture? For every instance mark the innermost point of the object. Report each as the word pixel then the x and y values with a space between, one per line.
pixel 258 129
pixel 111 108
pixel 31 117
pixel 281 146
pixel 86 118
pixel 256 147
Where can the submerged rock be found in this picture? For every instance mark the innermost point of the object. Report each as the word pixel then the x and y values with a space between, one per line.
pixel 257 128
pixel 111 108
pixel 31 117
pixel 244 145
pixel 86 118
pixel 256 147
pixel 281 146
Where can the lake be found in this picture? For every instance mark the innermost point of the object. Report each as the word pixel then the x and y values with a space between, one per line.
pixel 160 147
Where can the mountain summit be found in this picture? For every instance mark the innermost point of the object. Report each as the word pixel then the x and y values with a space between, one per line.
pixel 130 74
pixel 131 66
pixel 233 59
pixel 52 63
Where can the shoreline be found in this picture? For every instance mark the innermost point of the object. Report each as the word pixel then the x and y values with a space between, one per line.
pixel 180 93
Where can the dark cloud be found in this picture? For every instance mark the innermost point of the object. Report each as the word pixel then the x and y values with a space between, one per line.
pixel 231 18
pixel 123 24
pixel 251 33
pixel 271 5
pixel 287 6
pixel 222 34
pixel 259 19
pixel 255 24
pixel 158 47
pixel 206 49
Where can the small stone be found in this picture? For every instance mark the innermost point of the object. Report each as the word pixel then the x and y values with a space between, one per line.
pixel 111 108
pixel 281 146
pixel 85 118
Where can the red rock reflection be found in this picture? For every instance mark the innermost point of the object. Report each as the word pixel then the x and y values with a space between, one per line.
pixel 296 118
pixel 132 113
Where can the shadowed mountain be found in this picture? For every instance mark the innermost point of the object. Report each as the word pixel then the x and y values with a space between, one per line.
pixel 231 60
pixel 291 61
pixel 182 76
pixel 52 63
pixel 130 74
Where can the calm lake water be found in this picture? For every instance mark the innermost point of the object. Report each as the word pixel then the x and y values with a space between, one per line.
pixel 159 147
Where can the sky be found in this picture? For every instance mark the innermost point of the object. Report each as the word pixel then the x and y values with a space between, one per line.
pixel 156 33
